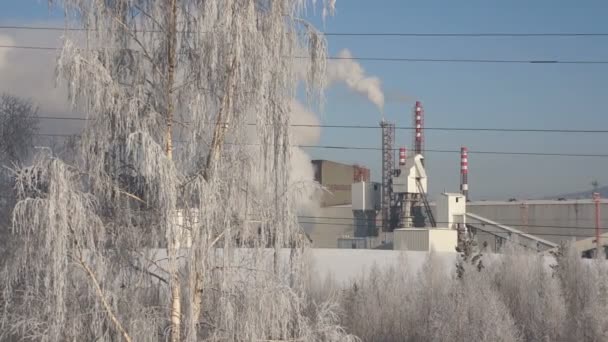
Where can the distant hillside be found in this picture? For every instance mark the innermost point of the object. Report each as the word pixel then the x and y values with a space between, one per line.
pixel 584 194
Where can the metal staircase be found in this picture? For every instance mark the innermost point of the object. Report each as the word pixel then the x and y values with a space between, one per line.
pixel 425 201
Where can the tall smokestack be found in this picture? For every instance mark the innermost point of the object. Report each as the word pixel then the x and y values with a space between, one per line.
pixel 418 124
pixel 464 172
pixel 402 156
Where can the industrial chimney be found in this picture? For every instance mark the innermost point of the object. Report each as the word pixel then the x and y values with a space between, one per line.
pixel 418 124
pixel 464 172
pixel 402 156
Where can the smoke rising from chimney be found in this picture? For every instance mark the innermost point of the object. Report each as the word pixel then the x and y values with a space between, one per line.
pixel 353 75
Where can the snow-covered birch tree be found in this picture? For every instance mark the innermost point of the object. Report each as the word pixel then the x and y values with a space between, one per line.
pixel 171 224
pixel 18 128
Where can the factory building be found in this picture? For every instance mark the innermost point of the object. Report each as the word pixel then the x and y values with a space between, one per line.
pixel 396 214
pixel 334 218
pixel 330 224
pixel 337 178
pixel 556 221
pixel 552 221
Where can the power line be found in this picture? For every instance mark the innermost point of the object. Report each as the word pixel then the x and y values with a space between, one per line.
pixel 453 60
pixel 365 34
pixel 363 148
pixel 28 47
pixel 395 59
pixel 467 34
pixel 62 118
pixel 476 226
pixel 458 151
pixel 465 129
pixel 505 224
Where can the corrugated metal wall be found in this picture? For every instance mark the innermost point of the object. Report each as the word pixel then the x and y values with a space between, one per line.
pixel 556 221
pixel 411 239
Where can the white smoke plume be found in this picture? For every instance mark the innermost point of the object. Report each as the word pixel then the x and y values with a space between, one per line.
pixel 4 40
pixel 31 74
pixel 302 171
pixel 300 115
pixel 353 75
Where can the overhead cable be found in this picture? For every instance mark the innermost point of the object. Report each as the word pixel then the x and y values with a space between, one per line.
pixel 363 34
pixel 466 129
pixel 395 59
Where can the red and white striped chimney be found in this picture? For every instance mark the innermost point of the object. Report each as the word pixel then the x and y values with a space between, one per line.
pixel 418 123
pixel 402 156
pixel 464 171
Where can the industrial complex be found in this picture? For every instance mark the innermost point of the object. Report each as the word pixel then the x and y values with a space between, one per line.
pixel 396 213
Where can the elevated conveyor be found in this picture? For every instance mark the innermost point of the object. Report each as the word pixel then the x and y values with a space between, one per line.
pixel 495 234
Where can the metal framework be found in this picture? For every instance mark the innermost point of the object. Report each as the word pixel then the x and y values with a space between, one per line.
pixel 388 138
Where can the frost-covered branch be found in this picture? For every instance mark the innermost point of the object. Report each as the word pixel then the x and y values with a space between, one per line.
pixel 103 299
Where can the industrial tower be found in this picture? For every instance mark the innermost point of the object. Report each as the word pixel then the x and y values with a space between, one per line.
pixel 404 201
pixel 419 130
pixel 388 138
pixel 464 172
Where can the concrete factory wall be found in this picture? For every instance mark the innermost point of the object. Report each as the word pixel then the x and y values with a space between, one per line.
pixel 329 224
pixel 337 178
pixel 422 239
pixel 556 221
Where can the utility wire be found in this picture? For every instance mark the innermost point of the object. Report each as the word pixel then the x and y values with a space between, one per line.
pixel 395 59
pixel 458 151
pixel 453 60
pixel 28 47
pixel 503 224
pixel 362 148
pixel 476 226
pixel 464 129
pixel 367 34
pixel 466 34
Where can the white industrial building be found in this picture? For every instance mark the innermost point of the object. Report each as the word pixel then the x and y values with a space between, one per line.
pixel 546 221
pixel 556 221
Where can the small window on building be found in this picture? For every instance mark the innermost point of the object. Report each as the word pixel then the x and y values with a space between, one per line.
pixel 375 187
pixel 457 199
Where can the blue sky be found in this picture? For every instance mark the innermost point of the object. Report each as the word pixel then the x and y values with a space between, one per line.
pixel 468 95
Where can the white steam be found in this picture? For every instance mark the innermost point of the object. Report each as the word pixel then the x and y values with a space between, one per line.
pixel 353 75
pixel 7 41
pixel 302 172
pixel 301 169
